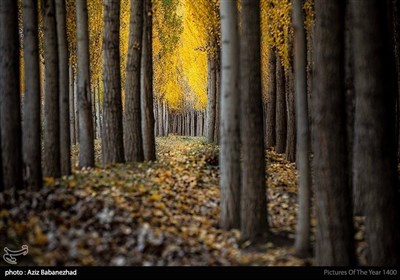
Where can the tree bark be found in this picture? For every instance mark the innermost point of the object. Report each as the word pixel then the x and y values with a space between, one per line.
pixel 281 127
pixel 112 140
pixel 85 120
pixel 334 237
pixel 72 106
pixel 149 142
pixel 32 150
pixel 230 118
pixel 254 216
pixel 270 139
pixel 290 106
pixel 375 168
pixel 302 243
pixel 51 156
pixel 211 99
pixel 10 107
pixel 217 98
pixel 65 140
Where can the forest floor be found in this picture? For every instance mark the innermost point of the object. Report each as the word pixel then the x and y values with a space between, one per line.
pixel 160 213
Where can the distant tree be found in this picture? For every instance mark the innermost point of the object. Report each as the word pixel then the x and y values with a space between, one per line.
pixel 375 167
pixel 230 118
pixel 51 155
pixel 133 142
pixel 63 57
pixel 149 143
pixel 334 236
pixel 254 218
pixel 32 150
pixel 10 108
pixel 271 102
pixel 211 98
pixel 85 121
pixel 281 116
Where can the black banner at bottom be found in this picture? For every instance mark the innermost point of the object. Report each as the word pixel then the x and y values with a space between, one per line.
pixel 9 272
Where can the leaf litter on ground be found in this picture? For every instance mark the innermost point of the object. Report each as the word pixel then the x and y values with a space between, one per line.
pixel 157 213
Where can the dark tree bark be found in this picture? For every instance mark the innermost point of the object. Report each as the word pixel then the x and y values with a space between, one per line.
pixel 51 155
pixel 302 243
pixel 10 107
pixel 230 117
pixel 112 140
pixel 211 99
pixel 85 121
pixel 254 217
pixel 350 105
pixel 217 98
pixel 270 139
pixel 281 127
pixel 65 140
pixel 290 107
pixel 375 170
pixel 334 237
pixel 149 142
pixel 72 106
pixel 31 125
pixel 396 41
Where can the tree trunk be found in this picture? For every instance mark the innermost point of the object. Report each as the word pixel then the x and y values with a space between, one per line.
pixel 290 106
pixel 211 99
pixel 51 159
pixel 350 105
pixel 217 98
pixel 280 108
pixel 271 102
pixel 65 140
pixel 149 142
pixel 396 41
pixel 112 140
pixel 72 106
pixel 375 169
pixel 230 122
pixel 302 243
pixel 85 120
pixel 334 237
pixel 31 125
pixel 254 216
pixel 95 91
pixel 10 115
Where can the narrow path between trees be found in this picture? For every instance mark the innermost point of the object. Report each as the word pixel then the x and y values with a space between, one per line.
pixel 161 213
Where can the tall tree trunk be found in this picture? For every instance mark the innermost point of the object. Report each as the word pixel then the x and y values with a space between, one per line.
pixel 254 217
pixel 65 140
pixel 290 106
pixel 334 237
pixel 85 120
pixel 280 108
pixel 350 105
pixel 302 244
pixel 211 99
pixel 112 140
pixel 217 98
pixel 32 150
pixel 230 119
pixel 10 107
pixel 375 169
pixel 72 106
pixel 149 142
pixel 51 159
pixel 271 102
pixel 396 41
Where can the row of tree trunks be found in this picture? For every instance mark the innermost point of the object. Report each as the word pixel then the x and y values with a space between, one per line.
pixel 189 123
